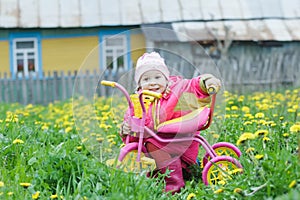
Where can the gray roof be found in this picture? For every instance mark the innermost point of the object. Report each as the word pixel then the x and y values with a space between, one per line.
pixel 249 19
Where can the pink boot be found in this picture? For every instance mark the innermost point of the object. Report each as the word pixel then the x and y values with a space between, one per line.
pixel 174 181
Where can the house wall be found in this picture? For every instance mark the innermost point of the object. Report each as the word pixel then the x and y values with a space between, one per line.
pixel 138 46
pixel 251 64
pixel 4 57
pixel 67 49
pixel 67 53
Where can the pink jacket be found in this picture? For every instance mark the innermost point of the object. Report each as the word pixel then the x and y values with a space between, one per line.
pixel 183 97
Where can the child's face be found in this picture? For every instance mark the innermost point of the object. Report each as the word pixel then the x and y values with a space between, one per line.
pixel 153 80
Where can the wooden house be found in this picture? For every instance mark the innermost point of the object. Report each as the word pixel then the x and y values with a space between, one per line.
pixel 250 41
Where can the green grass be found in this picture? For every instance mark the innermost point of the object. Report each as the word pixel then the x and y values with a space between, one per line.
pixel 58 154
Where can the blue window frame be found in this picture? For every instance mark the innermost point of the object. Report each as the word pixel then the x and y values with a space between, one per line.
pixel 25 55
pixel 115 50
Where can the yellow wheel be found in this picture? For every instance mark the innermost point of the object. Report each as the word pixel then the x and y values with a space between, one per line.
pixel 223 149
pixel 220 169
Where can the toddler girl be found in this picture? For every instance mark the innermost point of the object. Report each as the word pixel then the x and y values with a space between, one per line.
pixel 178 95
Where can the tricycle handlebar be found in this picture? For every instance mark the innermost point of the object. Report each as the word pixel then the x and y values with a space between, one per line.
pixel 108 83
pixel 212 89
pixel 153 94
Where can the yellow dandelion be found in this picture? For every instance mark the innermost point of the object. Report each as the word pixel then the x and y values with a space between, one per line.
pixel 36 195
pixel 250 149
pixel 244 137
pixel 227 116
pixel 262 121
pixel 25 185
pixel 230 102
pixel 234 108
pixel 1 184
pixel 221 182
pixel 285 135
pixel 259 115
pixel 291 110
pixel 53 196
pixel 79 148
pixel 235 171
pixel 246 109
pixel 249 116
pixel 218 191
pixel 44 127
pixel 259 156
pixel 190 196
pixel 292 184
pixel 104 118
pixel 102 125
pixel 68 129
pixel 265 139
pixel 84 140
pixel 237 190
pixel 107 150
pixel 281 118
pixel 10 193
pixel 261 132
pixel 295 128
pixel 18 141
pixel 247 123
pixel 100 139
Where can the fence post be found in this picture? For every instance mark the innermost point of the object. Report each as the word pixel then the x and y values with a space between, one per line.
pixel 38 89
pixel 55 89
pixel 45 92
pixel 69 88
pixel 24 90
pixel 63 85
pixel 5 88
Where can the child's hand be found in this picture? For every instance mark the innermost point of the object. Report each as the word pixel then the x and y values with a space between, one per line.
pixel 213 81
pixel 125 129
pixel 208 80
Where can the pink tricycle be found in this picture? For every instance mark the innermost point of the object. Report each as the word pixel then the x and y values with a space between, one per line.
pixel 220 160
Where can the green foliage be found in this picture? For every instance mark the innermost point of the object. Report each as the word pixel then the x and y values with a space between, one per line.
pixel 40 146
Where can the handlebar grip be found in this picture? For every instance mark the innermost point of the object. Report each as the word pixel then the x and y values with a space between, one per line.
pixel 212 89
pixel 108 83
pixel 153 94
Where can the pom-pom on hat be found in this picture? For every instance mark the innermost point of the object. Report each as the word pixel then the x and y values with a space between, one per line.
pixel 150 61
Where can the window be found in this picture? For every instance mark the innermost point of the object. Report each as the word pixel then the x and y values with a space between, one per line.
pixel 114 53
pixel 25 57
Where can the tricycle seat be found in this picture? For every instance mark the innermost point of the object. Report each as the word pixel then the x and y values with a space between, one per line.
pixel 188 123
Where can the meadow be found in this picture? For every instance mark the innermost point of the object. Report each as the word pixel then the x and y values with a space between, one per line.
pixel 59 152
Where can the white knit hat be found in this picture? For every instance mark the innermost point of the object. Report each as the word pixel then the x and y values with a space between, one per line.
pixel 150 61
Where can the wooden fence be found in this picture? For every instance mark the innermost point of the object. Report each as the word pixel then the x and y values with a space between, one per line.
pixel 242 75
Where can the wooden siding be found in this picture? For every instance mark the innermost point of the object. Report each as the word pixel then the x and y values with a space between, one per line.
pixel 66 53
pixel 4 56
pixel 137 45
